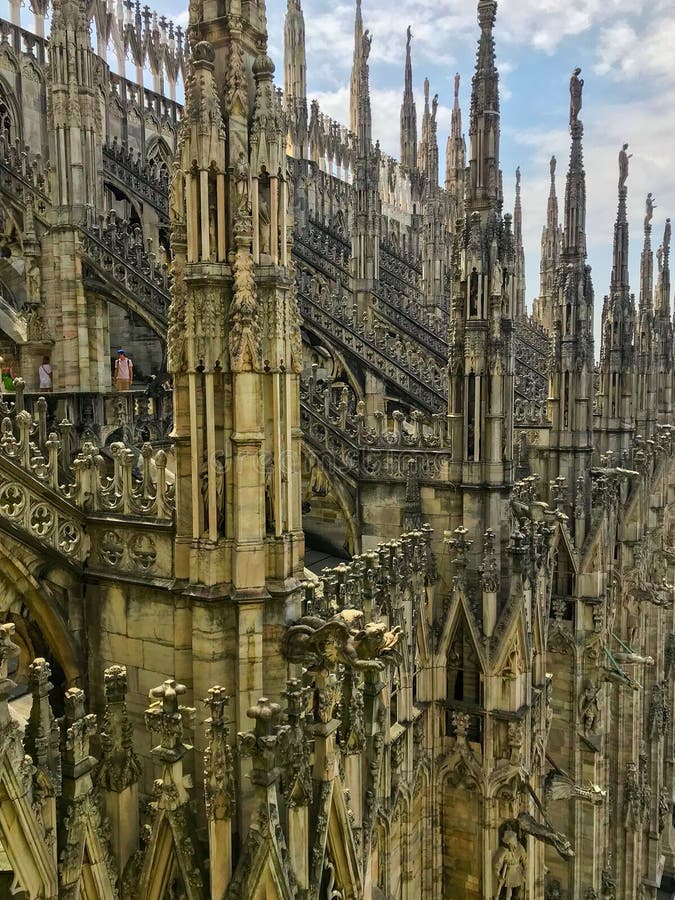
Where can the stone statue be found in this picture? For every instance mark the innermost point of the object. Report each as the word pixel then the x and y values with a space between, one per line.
pixel 552 167
pixel 650 206
pixel 408 35
pixel 241 179
pixel 589 711
pixel 220 493
pixel 366 42
pixel 263 223
pixel 666 237
pixel 457 77
pixel 623 166
pixel 576 89
pixel 508 866
pixel 434 107
pixel 343 639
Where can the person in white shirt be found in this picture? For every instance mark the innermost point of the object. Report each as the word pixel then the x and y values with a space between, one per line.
pixel 45 375
pixel 124 372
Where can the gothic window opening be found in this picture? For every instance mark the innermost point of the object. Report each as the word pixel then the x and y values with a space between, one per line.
pixel 463 671
pixel 471 417
pixel 473 293
pixel 158 157
pixel 459 392
pixel 6 124
pixel 614 390
pixel 393 697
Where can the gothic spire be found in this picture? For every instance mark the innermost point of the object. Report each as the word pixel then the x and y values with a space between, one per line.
pixel 295 79
pixel 574 241
pixel 550 255
pixel 663 290
pixel 519 272
pixel 620 281
pixel 552 206
pixel 455 156
pixel 428 150
pixel 295 64
pixel 647 265
pixel 354 94
pixel 408 114
pixel 484 186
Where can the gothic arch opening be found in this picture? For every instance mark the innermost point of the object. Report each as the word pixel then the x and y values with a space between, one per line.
pixel 41 628
pixel 327 520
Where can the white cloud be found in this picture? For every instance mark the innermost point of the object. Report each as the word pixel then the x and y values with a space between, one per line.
pixel 638 50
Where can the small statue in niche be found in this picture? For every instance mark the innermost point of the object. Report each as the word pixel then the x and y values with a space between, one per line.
pixel 241 182
pixel 220 493
pixel 589 710
pixel 508 865
pixel 264 219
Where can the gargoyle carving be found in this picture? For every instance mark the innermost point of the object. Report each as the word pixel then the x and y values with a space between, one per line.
pixel 546 834
pixel 633 659
pixel 342 639
pixel 561 787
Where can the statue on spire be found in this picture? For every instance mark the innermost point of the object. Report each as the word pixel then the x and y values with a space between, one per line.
pixel 457 86
pixel 366 41
pixel 650 206
pixel 623 167
pixel 408 38
pixel 576 88
pixel 552 167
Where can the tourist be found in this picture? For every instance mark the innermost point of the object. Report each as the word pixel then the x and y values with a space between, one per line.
pixel 124 372
pixel 45 375
pixel 8 379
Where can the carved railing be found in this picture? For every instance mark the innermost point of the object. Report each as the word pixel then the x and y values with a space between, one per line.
pixel 335 426
pixel 134 417
pixel 23 175
pixel 24 43
pixel 336 318
pixel 35 467
pixel 144 180
pixel 117 253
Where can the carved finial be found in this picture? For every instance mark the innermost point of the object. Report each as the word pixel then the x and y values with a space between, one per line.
pixel 119 766
pixel 165 716
pixel 218 770
pixel 42 731
pixel 261 743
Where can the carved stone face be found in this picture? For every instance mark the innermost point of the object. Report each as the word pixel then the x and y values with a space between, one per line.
pixel 375 632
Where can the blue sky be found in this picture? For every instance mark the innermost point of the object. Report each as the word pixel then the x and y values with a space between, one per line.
pixel 623 46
